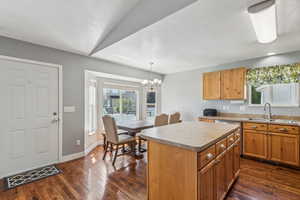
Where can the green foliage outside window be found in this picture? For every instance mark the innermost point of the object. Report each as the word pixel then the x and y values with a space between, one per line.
pixel 255 96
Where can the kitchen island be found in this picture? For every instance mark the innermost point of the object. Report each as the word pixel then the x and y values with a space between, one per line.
pixel 192 160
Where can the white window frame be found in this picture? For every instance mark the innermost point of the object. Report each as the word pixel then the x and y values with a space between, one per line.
pixel 296 95
pixel 157 101
pixel 92 108
pixel 124 88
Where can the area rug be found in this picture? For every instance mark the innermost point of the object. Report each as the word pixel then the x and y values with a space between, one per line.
pixel 30 176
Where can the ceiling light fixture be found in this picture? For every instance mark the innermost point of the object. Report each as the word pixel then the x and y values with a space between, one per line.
pixel 151 84
pixel 263 17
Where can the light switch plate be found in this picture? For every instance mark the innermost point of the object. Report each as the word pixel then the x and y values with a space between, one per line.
pixel 69 109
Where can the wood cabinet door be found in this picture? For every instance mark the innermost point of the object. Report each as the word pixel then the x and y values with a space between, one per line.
pixel 233 83
pixel 284 148
pixel 212 85
pixel 229 156
pixel 220 184
pixel 236 159
pixel 206 180
pixel 255 144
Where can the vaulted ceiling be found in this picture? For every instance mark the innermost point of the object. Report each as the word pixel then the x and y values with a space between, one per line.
pixel 178 35
pixel 206 33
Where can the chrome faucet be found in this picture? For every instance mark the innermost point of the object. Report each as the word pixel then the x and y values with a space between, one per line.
pixel 269 115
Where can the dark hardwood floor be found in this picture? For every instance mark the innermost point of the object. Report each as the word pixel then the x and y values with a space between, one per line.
pixel 91 178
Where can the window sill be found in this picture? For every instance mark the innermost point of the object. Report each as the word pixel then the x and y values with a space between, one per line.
pixel 274 106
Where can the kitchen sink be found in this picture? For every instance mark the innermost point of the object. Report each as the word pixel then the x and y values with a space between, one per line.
pixel 261 119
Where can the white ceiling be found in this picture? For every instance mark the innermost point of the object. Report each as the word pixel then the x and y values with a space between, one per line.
pixel 207 33
pixel 74 26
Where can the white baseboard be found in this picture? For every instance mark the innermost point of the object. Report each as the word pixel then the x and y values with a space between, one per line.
pixel 72 156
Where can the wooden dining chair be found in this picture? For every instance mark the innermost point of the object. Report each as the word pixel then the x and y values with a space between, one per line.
pixel 161 120
pixel 114 139
pixel 120 132
pixel 174 118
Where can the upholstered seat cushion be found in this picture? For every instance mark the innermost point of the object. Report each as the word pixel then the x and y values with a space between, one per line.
pixel 122 132
pixel 125 138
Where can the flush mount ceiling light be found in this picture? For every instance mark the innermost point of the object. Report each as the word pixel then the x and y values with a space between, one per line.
pixel 263 17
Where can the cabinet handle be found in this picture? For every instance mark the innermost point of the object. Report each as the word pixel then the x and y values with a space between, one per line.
pixel 231 139
pixel 254 126
pixel 217 161
pixel 238 134
pixel 209 156
pixel 222 146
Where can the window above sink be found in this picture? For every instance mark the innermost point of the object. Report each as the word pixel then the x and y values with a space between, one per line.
pixel 278 95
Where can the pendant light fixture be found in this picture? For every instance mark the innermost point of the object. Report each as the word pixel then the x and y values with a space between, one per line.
pixel 151 84
pixel 264 20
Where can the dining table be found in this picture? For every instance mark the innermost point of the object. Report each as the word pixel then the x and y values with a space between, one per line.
pixel 134 127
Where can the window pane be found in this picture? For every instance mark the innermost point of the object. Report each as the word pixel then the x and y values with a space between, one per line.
pixel 150 111
pixel 111 101
pixel 128 105
pixel 283 94
pixel 151 105
pixel 151 97
pixel 121 104
pixel 92 109
pixel 277 94
pixel 255 96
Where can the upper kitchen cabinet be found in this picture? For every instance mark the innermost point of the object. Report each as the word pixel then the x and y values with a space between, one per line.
pixel 228 84
pixel 233 84
pixel 212 85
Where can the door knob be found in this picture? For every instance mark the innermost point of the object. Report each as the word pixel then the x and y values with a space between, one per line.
pixel 55 118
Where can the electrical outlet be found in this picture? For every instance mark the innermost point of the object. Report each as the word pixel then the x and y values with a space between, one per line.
pixel 78 142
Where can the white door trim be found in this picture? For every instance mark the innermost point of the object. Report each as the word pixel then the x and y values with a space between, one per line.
pixel 60 95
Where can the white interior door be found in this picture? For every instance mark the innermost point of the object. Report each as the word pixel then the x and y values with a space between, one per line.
pixel 28 119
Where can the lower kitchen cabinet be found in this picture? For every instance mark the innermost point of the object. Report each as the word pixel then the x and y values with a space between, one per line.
pixel 220 184
pixel 255 144
pixel 284 148
pixel 236 159
pixel 229 166
pixel 217 177
pixel 278 143
pixel 207 179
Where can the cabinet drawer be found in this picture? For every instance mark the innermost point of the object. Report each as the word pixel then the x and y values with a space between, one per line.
pixel 206 156
pixel 230 139
pixel 255 126
pixel 283 129
pixel 221 146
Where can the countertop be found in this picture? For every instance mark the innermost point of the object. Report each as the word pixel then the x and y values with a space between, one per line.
pixel 255 120
pixel 194 136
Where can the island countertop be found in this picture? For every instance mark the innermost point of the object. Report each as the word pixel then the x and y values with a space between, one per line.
pixel 195 136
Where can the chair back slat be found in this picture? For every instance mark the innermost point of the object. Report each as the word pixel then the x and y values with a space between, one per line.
pixel 110 128
pixel 174 118
pixel 161 120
